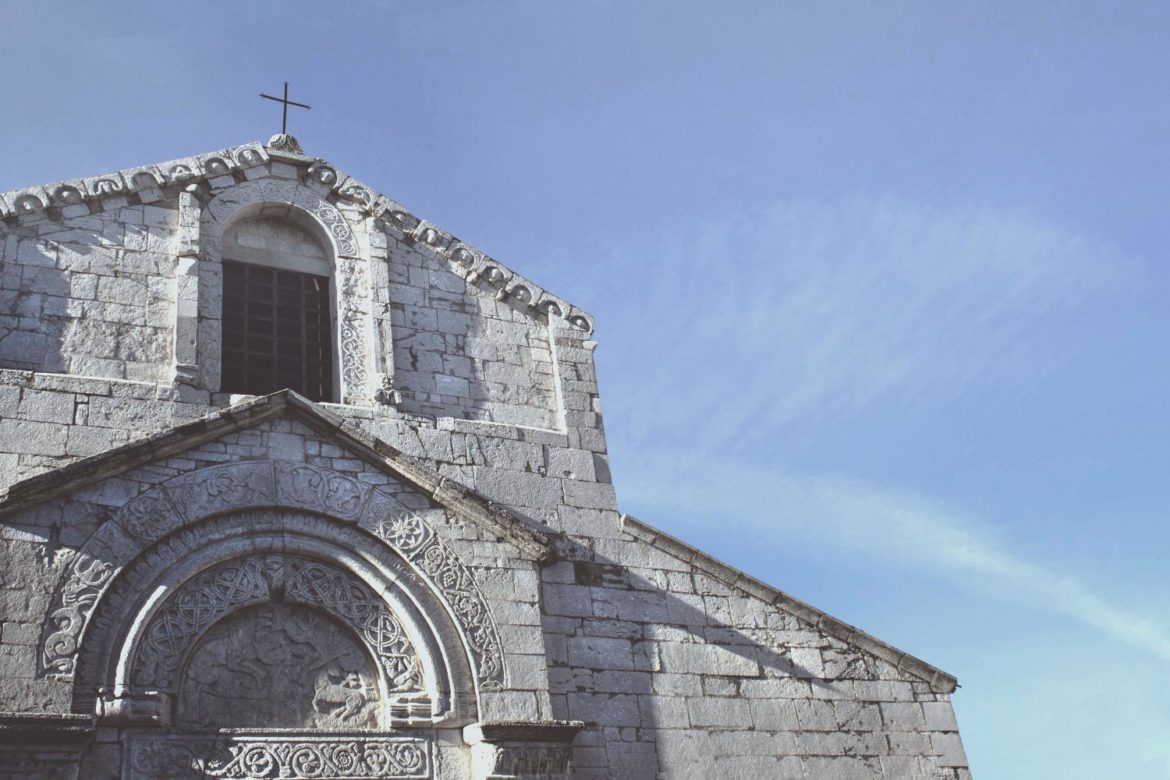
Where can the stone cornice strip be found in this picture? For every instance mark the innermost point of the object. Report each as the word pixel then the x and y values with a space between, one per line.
pixel 939 681
pixel 520 532
pixel 59 729
pixel 556 731
pixel 149 181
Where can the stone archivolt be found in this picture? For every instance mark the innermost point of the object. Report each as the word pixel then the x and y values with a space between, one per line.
pixel 207 492
pixel 298 570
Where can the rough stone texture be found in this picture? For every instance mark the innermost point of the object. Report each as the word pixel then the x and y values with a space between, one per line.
pixel 441 554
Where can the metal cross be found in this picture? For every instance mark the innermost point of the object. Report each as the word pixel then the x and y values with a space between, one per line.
pixel 287 103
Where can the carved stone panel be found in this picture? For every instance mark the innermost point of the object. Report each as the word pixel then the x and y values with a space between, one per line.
pixel 245 756
pixel 420 545
pixel 279 666
pixel 200 604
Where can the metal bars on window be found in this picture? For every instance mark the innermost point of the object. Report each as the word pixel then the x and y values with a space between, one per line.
pixel 276 332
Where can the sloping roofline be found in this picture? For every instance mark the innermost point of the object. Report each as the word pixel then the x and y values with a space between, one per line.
pixel 940 681
pixel 525 535
pixel 73 197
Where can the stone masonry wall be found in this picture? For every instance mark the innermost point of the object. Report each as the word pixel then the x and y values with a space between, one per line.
pixel 460 353
pixel 89 293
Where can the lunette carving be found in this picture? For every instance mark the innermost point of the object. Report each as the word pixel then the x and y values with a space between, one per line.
pixel 208 597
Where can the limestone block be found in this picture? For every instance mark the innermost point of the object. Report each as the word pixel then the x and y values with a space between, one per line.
pixel 605 709
pixel 600 653
pixel 940 716
pixel 949 749
pixel 33 438
pixel 843 768
pixel 903 716
pixel 719 713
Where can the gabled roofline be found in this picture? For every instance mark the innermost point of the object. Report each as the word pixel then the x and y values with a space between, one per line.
pixel 149 182
pixel 939 681
pixel 521 532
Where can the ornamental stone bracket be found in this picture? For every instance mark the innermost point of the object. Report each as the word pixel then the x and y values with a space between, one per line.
pixel 533 750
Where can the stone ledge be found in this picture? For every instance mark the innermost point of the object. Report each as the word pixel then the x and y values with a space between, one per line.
pixel 558 731
pixel 61 729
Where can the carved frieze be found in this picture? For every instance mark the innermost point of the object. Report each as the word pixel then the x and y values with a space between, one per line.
pixel 244 757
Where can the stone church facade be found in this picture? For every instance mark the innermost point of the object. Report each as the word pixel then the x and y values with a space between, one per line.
pixel 299 485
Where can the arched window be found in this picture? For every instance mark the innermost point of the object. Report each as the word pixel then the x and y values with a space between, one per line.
pixel 277 310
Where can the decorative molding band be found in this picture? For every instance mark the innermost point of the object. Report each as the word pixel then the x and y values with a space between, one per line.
pixel 239 756
pixel 420 545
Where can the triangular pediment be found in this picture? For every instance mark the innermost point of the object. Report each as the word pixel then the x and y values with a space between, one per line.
pixel 528 539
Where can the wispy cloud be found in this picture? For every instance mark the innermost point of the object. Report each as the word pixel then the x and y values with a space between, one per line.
pixel 807 310
pixel 897 527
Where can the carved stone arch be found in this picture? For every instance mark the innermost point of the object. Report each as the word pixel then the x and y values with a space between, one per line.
pixel 156 614
pixel 303 206
pixel 372 520
pixel 279 197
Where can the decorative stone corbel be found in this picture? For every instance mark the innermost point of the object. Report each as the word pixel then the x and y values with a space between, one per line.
pixel 535 750
pixel 123 708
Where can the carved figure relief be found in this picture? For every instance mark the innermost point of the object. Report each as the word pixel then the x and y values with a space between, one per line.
pixel 87 577
pixel 278 666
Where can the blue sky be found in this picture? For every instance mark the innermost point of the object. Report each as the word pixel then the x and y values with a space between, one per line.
pixel 880 288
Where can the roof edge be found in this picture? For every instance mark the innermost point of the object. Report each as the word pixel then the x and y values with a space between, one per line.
pixel 939 681
pixel 521 532
pixel 150 182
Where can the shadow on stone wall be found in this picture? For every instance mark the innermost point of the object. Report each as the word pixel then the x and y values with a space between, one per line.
pixel 35 310
pixel 454 357
pixel 677 684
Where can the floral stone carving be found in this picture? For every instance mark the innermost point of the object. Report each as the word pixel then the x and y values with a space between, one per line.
pixel 245 757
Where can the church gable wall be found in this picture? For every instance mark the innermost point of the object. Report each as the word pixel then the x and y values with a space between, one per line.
pixel 89 294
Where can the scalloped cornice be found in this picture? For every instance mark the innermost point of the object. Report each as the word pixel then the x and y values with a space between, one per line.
pixel 73 197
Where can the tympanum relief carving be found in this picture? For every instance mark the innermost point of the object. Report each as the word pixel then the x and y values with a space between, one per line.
pixel 277 641
pixel 279 666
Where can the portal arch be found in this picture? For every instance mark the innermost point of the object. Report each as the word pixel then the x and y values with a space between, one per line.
pixel 159 613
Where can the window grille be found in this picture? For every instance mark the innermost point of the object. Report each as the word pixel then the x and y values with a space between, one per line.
pixel 276 332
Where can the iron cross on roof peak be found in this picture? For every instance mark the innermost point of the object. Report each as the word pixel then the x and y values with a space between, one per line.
pixel 287 103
